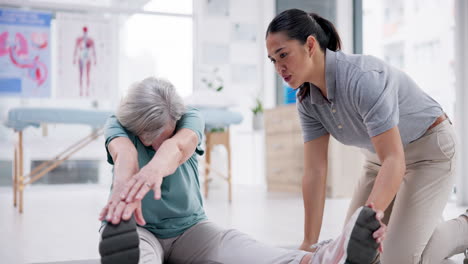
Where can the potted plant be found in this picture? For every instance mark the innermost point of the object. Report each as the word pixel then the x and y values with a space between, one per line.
pixel 214 81
pixel 257 119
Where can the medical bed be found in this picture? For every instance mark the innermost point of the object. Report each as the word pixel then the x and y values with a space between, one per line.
pixel 23 117
pixel 217 122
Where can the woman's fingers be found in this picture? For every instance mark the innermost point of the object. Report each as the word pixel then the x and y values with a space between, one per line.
pixel 134 208
pixel 128 212
pixel 110 212
pixel 379 235
pixel 118 213
pixel 145 188
pixel 139 216
pixel 380 232
pixel 135 189
pixel 127 187
pixel 103 212
pixel 157 189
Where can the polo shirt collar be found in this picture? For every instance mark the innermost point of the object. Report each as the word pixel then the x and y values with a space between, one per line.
pixel 330 80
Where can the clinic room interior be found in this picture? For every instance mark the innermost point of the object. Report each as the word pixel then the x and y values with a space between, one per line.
pixel 277 146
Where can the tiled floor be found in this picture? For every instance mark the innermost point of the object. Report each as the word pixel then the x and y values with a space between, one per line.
pixel 60 222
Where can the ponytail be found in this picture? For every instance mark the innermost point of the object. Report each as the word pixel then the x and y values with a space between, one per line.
pixel 332 36
pixel 299 25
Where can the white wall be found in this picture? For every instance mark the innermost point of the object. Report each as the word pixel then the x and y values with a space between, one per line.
pixel 247 145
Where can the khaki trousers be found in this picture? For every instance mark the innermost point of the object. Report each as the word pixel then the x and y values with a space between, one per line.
pixel 416 232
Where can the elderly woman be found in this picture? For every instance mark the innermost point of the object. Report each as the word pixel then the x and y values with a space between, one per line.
pixel 153 145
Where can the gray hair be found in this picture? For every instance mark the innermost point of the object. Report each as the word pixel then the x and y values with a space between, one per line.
pixel 149 106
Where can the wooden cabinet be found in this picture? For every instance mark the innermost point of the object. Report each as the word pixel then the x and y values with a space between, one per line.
pixel 284 149
pixel 285 156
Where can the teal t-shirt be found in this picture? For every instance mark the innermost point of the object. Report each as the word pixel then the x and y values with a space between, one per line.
pixel 181 204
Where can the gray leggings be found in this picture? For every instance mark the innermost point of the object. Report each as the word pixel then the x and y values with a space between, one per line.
pixel 207 243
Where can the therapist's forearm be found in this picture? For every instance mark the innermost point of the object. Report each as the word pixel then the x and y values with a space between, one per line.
pixel 387 182
pixel 313 192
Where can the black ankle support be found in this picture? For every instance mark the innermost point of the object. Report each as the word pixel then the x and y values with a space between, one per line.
pixel 362 247
pixel 119 244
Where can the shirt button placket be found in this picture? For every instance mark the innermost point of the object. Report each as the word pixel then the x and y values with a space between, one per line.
pixel 333 110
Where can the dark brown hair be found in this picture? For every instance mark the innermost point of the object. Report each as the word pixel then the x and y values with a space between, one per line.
pixel 299 25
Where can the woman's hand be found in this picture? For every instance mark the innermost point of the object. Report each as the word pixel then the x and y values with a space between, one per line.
pixel 379 235
pixel 307 246
pixel 140 184
pixel 116 209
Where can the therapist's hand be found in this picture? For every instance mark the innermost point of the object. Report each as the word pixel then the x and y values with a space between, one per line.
pixel 379 235
pixel 306 246
pixel 141 183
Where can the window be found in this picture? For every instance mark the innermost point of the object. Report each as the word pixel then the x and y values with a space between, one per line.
pixel 417 38
pixel 69 172
pixel 158 45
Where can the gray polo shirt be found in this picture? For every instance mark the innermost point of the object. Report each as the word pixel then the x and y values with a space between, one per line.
pixel 365 97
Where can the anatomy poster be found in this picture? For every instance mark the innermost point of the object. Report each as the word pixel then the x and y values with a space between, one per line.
pixel 85 59
pixel 24 53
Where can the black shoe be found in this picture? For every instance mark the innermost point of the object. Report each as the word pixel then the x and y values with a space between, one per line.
pixel 362 247
pixel 355 245
pixel 119 244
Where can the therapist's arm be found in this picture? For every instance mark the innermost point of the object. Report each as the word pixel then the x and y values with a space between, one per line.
pixel 389 149
pixel 314 187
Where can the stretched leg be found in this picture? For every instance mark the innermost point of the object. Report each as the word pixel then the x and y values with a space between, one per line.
pixel 355 244
pixel 207 243
pixel 151 251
